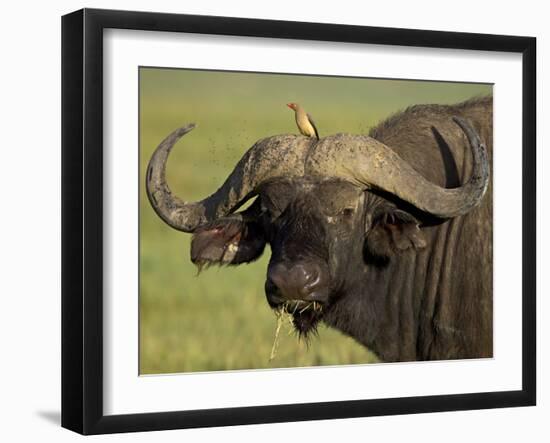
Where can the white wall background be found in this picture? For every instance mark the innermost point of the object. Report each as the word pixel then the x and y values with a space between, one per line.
pixel 30 219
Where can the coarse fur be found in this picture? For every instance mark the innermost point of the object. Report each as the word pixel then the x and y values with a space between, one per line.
pixel 427 303
pixel 434 302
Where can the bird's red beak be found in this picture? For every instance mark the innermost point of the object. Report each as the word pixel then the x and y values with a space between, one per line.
pixel 290 105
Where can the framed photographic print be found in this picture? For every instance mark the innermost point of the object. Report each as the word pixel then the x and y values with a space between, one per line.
pixel 270 221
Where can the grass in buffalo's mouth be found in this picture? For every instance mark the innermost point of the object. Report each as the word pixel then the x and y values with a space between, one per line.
pixel 286 312
pixel 282 314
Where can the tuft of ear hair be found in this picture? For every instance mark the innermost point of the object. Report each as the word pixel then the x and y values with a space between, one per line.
pixel 392 233
pixel 227 241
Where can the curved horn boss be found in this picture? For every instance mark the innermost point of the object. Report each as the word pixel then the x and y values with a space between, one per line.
pixel 372 165
pixel 280 156
pixel 359 159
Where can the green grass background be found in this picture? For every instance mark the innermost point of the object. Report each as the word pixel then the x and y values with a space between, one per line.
pixel 220 319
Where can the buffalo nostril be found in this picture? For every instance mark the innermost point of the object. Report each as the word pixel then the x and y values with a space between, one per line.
pixel 305 275
pixel 313 281
pixel 298 281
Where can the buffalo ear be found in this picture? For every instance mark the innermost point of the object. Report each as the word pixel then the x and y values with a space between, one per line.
pixel 227 241
pixel 392 233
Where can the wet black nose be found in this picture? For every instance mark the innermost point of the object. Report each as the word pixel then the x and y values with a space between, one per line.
pixel 300 281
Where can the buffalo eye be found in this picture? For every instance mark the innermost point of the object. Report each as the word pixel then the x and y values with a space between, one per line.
pixel 270 208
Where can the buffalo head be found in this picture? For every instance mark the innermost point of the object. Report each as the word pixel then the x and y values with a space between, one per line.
pixel 322 206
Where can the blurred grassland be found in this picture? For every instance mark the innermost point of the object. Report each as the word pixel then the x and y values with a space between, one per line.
pixel 220 319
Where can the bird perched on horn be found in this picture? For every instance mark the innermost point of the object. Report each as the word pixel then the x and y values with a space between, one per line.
pixel 305 123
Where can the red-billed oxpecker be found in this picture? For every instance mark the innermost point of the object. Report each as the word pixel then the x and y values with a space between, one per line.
pixel 305 123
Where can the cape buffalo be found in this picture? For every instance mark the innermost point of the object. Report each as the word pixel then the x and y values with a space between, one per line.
pixel 389 234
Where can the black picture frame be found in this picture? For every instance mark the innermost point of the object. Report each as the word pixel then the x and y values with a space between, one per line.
pixel 82 220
